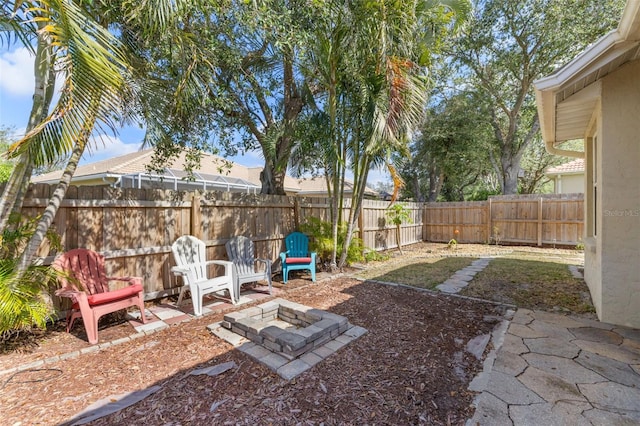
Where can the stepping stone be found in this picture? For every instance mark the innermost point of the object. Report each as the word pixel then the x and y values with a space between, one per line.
pixel 445 288
pixel 564 368
pixel 507 363
pixel 491 411
pixel 613 397
pixel 551 346
pixel 456 283
pixel 514 344
pixel 477 345
pixel 613 370
pixel 524 331
pixel 607 418
pixel 610 351
pixel 549 386
pixel 563 413
pixel 596 335
pixel 511 390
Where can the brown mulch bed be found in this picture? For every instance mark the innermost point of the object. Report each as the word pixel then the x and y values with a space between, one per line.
pixel 410 368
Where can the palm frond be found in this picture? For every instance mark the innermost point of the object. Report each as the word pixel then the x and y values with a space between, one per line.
pixel 96 73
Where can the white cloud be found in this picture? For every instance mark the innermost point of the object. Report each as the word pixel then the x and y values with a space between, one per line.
pixel 105 146
pixel 16 70
pixel 250 158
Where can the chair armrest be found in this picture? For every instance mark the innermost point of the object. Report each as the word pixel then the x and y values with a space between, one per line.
pixel 76 296
pixel 283 256
pixel 187 275
pixel 267 264
pixel 228 265
pixel 313 257
pixel 179 270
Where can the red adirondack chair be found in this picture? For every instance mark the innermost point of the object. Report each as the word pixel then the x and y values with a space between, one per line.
pixel 83 279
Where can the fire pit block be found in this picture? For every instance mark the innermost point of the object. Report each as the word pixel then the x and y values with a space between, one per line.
pixel 292 333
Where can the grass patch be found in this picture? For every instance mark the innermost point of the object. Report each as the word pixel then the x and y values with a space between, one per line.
pixel 424 273
pixel 531 284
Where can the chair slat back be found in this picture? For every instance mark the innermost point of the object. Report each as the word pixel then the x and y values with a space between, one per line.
pixel 297 244
pixel 85 268
pixel 190 252
pixel 241 252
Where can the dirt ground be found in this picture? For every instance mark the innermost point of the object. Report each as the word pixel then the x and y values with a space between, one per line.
pixel 410 368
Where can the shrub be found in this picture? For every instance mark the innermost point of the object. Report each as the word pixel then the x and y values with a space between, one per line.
pixel 24 298
pixel 321 241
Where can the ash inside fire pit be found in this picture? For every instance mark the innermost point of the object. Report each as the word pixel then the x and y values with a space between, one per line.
pixel 287 337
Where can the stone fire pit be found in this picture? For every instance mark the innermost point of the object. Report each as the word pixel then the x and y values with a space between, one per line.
pixel 287 337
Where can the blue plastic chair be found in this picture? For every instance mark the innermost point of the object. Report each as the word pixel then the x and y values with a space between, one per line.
pixel 297 256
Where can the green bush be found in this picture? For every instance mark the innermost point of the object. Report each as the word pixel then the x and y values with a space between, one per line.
pixel 321 241
pixel 24 299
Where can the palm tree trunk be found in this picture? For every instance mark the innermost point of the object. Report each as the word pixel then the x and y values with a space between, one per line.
pixel 359 185
pixel 58 194
pixel 52 208
pixel 44 74
pixel 398 236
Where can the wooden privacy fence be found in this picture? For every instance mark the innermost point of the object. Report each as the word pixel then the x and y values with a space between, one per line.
pixel 549 219
pixel 134 228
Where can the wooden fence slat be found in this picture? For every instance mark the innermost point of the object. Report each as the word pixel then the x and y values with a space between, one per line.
pixel 134 228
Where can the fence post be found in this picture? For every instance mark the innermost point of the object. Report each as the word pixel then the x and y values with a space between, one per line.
pixel 423 206
pixel 361 222
pixel 540 222
pixel 489 219
pixel 296 213
pixel 196 219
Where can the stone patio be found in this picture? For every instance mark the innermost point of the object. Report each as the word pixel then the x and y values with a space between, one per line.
pixel 560 370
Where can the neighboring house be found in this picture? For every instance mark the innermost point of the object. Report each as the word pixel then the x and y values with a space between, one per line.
pixel 129 171
pixel 317 187
pixel 568 178
pixel 596 97
pixel 215 173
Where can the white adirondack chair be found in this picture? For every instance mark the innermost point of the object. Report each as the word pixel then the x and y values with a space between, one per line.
pixel 241 252
pixel 191 263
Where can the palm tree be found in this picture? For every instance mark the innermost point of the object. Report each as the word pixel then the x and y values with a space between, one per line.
pixel 95 74
pixel 98 81
pixel 370 58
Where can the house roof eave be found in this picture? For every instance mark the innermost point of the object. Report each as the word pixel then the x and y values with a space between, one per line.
pixel 605 55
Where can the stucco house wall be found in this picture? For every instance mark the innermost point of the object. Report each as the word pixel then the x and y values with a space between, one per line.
pixel 618 197
pixel 596 97
pixel 568 178
pixel 568 184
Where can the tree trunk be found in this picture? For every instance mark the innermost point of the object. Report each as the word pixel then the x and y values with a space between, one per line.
pixel 275 168
pixel 44 83
pixel 398 240
pixel 271 183
pixel 436 179
pixel 359 185
pixel 52 208
pixel 510 178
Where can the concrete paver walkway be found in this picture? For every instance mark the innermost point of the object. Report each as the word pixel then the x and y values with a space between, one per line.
pixel 553 369
pixel 464 276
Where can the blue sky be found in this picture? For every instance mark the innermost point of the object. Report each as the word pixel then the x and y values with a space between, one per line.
pixel 16 90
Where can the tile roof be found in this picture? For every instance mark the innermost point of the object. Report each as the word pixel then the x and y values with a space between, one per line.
pixel 318 185
pixel 136 162
pixel 575 166
pixel 210 164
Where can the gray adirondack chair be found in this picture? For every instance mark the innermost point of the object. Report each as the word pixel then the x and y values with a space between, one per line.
pixel 241 252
